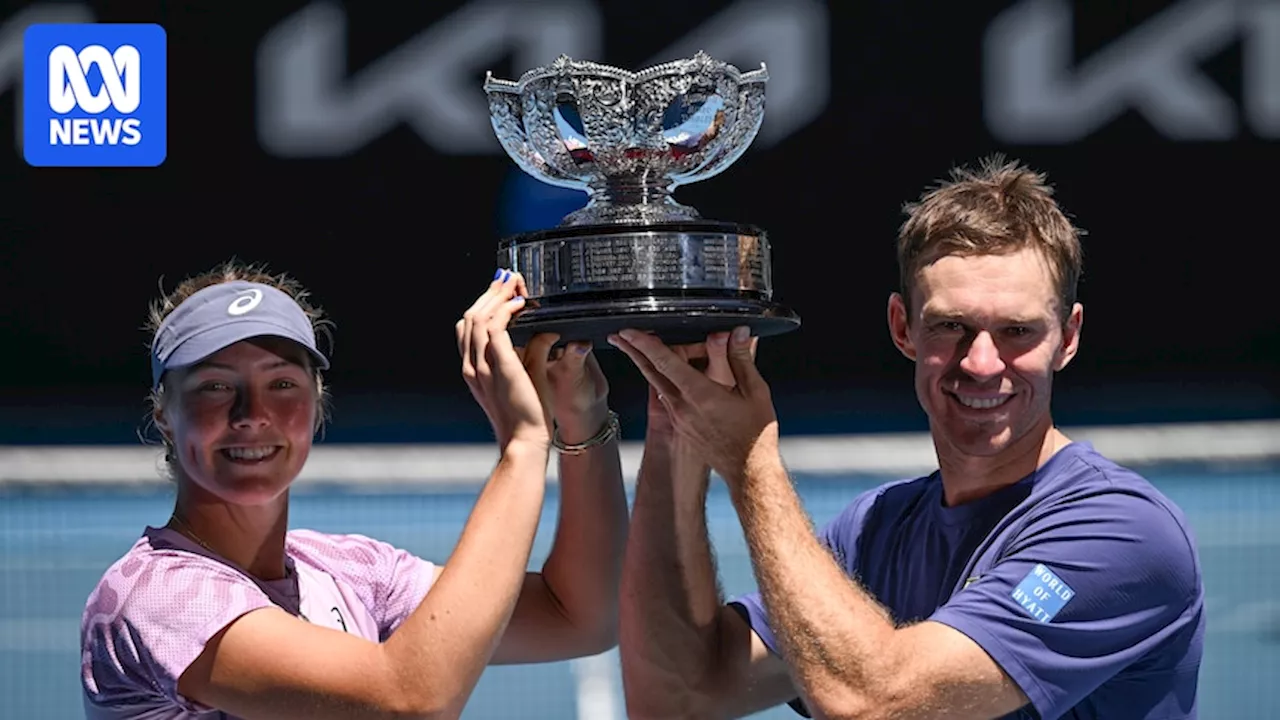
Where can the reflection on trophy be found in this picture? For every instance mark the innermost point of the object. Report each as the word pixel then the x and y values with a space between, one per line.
pixel 633 256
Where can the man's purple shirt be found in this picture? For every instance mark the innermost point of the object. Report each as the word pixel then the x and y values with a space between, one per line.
pixel 1081 581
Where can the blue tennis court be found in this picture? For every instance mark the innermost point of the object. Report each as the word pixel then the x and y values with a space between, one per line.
pixel 54 544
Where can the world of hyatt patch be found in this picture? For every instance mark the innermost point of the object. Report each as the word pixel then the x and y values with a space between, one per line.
pixel 1042 594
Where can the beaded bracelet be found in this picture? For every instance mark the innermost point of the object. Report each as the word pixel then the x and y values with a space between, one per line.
pixel 611 429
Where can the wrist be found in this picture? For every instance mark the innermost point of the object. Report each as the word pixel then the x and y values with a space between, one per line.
pixel 758 478
pixel 608 432
pixel 526 448
pixel 577 427
pixel 762 464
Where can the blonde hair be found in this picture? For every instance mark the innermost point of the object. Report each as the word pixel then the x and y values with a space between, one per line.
pixel 1001 207
pixel 231 271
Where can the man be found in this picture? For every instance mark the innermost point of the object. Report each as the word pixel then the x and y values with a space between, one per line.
pixel 1029 577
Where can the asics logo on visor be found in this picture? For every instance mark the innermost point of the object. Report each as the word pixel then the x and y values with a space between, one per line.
pixel 244 302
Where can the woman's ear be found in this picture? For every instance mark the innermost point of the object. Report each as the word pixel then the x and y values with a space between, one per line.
pixel 159 416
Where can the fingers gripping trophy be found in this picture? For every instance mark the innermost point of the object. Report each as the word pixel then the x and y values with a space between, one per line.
pixel 633 257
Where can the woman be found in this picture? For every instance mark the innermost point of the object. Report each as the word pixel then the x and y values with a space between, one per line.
pixel 225 613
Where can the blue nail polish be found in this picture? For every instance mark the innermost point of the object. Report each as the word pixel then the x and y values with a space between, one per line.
pixel 506 275
pixel 497 274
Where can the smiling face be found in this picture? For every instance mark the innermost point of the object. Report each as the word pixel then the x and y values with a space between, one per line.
pixel 241 422
pixel 987 336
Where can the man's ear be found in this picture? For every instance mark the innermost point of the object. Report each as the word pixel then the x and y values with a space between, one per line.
pixel 1071 330
pixel 899 326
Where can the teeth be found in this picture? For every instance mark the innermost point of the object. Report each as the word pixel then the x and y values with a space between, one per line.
pixel 256 453
pixel 982 403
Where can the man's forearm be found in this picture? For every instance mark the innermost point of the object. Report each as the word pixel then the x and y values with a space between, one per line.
pixel 670 598
pixel 835 637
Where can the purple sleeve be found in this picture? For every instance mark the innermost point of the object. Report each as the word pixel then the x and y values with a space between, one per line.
pixel 148 619
pixel 408 579
pixel 391 582
pixel 1091 585
pixel 839 536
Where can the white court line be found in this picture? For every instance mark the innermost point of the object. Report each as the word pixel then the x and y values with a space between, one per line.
pixel 901 454
pixel 1225 529
pixel 597 694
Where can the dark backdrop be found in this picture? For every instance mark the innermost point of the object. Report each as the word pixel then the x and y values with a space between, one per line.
pixel 1170 169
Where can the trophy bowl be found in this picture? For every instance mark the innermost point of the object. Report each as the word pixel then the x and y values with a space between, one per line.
pixel 633 256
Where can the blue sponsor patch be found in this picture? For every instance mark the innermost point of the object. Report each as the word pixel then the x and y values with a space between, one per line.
pixel 1042 593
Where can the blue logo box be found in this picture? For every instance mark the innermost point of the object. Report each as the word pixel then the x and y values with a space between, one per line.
pixel 94 95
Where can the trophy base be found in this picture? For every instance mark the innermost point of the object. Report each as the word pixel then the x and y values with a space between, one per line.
pixel 676 320
pixel 680 280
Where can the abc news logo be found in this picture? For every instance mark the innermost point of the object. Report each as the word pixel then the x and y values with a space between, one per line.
pixel 69 89
pixel 105 101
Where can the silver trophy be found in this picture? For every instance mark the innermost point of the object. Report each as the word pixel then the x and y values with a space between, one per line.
pixel 633 256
